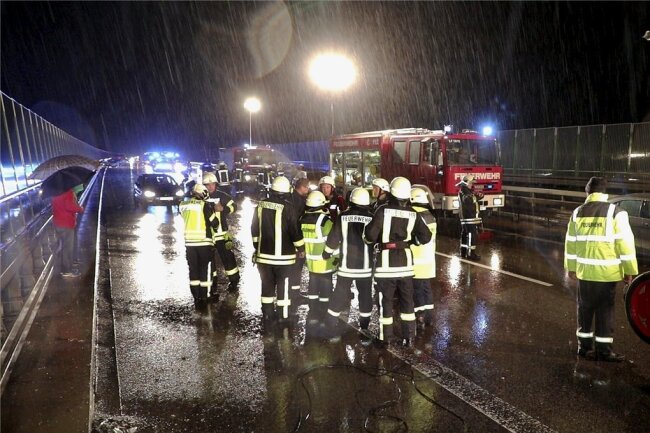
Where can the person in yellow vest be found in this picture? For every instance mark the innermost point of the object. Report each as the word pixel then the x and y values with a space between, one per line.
pixel 599 252
pixel 316 226
pixel 424 260
pixel 200 218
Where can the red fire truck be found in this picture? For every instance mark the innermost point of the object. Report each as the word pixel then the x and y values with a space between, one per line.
pixel 437 159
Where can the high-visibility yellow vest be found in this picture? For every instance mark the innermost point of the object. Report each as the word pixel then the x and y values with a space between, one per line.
pixel 424 256
pixel 195 226
pixel 315 227
pixel 599 243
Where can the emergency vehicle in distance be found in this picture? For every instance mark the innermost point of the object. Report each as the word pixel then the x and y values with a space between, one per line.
pixel 253 167
pixel 435 158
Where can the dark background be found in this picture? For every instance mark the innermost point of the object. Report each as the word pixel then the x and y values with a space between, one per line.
pixel 134 76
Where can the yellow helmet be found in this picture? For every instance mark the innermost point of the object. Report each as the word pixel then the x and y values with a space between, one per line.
pixel 201 192
pixel 281 184
pixel 400 188
pixel 418 195
pixel 209 178
pixel 315 199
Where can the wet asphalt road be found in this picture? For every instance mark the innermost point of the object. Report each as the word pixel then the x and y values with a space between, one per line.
pixel 499 357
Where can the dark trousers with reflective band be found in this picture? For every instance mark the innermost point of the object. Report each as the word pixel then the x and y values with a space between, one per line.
pixel 468 238
pixel 341 299
pixel 198 260
pixel 275 286
pixel 423 299
pixel 227 258
pixel 596 299
pixel 296 273
pixel 404 288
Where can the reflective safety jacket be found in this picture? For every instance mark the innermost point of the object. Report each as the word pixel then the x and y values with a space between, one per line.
pixel 393 228
pixel 223 176
pixel 381 200
pixel 346 239
pixel 599 244
pixel 316 226
pixel 424 256
pixel 276 236
pixel 200 219
pixel 229 206
pixel 468 206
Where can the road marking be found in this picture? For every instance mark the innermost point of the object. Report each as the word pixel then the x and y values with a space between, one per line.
pixel 480 265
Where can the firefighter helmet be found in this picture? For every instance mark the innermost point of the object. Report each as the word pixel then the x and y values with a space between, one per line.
pixel 418 195
pixel 281 184
pixel 381 184
pixel 315 199
pixel 209 178
pixel 360 197
pixel 201 192
pixel 468 178
pixel 400 188
pixel 327 180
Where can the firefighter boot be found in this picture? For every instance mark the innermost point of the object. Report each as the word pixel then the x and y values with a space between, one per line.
pixel 268 313
pixel 234 283
pixel 463 252
pixel 313 314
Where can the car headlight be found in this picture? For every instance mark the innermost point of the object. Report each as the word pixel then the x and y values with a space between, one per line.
pixel 247 178
pixel 498 202
pixel 179 193
pixel 149 194
pixel 455 204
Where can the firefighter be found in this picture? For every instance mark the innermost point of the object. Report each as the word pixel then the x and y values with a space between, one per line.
pixel 298 198
pixel 392 229
pixel 424 260
pixel 316 226
pixel 470 221
pixel 277 241
pixel 355 262
pixel 335 203
pixel 380 189
pixel 599 252
pixel 223 175
pixel 223 241
pixel 301 173
pixel 200 218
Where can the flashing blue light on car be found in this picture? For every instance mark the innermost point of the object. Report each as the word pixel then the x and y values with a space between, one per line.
pixel 487 130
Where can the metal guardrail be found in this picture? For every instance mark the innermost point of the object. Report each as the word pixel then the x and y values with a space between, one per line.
pixel 30 240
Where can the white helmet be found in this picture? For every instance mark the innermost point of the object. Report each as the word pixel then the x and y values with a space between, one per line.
pixel 281 184
pixel 316 199
pixel 327 180
pixel 418 195
pixel 468 178
pixel 400 188
pixel 201 192
pixel 360 196
pixel 381 183
pixel 209 178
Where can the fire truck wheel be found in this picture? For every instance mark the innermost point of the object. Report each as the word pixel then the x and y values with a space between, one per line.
pixel 637 306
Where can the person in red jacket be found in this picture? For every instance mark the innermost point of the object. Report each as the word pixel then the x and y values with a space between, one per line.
pixel 64 212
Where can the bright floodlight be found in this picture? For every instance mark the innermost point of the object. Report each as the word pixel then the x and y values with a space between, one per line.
pixel 487 130
pixel 253 105
pixel 332 72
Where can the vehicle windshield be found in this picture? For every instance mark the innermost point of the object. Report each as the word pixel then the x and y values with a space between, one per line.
pixel 160 180
pixel 472 152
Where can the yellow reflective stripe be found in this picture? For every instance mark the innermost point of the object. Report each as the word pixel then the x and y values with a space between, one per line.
pixel 205 283
pixel 299 243
pixel 328 249
pixel 584 334
pixel 255 238
pixel 314 257
pixel 364 314
pixel 386 320
pixel 195 282
pixel 604 339
pixel 407 317
pixel 424 307
pixel 277 257
pixel 333 313
pixel 570 238
pixel 627 257
pixel 284 302
pixel 324 299
pixel 232 271
pixel 314 240
pixel 594 238
pixel 571 256
pixel 278 232
pixel 268 299
pixel 312 296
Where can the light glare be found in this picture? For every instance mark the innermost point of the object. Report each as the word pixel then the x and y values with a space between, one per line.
pixel 253 105
pixel 332 72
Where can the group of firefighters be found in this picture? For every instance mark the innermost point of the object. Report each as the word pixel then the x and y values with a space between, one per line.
pixel 390 241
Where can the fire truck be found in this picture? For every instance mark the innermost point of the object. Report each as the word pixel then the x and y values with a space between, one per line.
pixel 253 168
pixel 435 158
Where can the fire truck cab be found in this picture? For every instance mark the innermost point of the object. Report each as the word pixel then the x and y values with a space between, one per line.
pixel 437 159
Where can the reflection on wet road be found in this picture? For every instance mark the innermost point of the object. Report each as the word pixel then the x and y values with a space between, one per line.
pixel 502 342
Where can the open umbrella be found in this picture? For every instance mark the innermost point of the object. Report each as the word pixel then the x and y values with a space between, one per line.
pixel 57 163
pixel 65 179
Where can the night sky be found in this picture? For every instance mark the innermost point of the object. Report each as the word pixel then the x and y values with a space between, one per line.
pixel 131 76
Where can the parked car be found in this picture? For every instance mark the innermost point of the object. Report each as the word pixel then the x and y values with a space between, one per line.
pixel 157 189
pixel 638 210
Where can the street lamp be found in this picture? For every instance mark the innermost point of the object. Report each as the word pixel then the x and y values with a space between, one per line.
pixel 253 105
pixel 332 73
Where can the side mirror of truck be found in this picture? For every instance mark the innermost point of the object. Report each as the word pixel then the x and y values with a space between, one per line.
pixel 439 172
